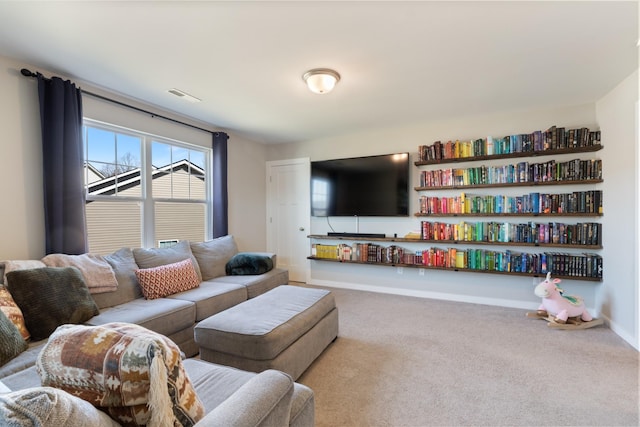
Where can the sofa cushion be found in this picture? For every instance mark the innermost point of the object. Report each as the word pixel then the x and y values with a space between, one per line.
pixel 164 316
pixel 124 267
pixel 12 342
pixel 9 307
pixel 213 255
pixel 48 406
pixel 258 285
pixel 211 298
pixel 50 297
pixel 155 257
pixel 248 263
pixel 215 383
pixel 12 372
pixel 132 373
pixel 158 282
pixel 264 400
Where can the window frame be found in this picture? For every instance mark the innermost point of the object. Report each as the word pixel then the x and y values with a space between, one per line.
pixel 146 199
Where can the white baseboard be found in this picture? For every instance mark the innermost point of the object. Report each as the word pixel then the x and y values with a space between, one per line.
pixel 426 294
pixel 633 341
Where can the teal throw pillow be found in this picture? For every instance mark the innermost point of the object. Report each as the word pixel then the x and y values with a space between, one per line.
pixel 247 263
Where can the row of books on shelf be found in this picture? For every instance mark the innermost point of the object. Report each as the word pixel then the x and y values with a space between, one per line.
pixel 587 202
pixel 553 138
pixel 563 264
pixel 522 172
pixel 585 265
pixel 363 252
pixel 586 233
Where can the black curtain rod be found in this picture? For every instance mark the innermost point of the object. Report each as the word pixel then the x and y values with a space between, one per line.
pixel 28 73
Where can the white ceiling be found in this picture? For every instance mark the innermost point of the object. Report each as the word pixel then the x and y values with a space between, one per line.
pixel 401 62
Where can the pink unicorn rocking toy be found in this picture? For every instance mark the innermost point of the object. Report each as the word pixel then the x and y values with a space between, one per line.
pixel 561 311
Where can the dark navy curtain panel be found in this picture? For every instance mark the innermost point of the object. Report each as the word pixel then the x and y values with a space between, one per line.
pixel 220 197
pixel 64 197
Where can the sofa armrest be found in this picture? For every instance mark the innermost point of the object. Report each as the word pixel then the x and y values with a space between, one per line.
pixel 264 400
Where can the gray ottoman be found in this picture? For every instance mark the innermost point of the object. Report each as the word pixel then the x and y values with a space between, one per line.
pixel 285 329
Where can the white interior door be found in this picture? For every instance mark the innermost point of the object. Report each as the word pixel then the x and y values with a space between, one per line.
pixel 288 217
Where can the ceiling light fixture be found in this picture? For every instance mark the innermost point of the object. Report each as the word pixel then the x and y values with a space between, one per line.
pixel 321 80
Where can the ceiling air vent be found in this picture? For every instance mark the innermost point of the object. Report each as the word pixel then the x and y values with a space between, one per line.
pixel 184 95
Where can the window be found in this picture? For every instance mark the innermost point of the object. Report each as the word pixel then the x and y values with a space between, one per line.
pixel 143 189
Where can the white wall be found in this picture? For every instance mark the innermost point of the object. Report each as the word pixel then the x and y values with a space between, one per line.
pixel 21 211
pixel 614 117
pixel 618 298
pixel 22 215
pixel 247 194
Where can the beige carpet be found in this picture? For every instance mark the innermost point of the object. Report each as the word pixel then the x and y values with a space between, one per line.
pixel 403 361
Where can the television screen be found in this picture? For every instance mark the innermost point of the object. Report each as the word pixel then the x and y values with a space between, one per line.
pixel 362 186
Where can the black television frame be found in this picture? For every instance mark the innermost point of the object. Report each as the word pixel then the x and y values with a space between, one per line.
pixel 369 186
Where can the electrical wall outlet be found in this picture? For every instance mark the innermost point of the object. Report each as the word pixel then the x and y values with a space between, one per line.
pixel 400 270
pixel 421 272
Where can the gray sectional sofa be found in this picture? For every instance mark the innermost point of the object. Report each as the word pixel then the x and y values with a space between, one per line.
pixel 230 396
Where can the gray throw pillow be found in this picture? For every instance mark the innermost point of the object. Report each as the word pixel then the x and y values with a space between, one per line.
pixel 50 297
pixel 11 341
pixel 213 255
pixel 155 257
pixel 124 267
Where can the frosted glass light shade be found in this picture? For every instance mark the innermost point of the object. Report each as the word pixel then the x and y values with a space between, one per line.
pixel 321 80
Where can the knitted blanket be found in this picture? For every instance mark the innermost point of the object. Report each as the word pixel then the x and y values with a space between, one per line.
pixel 133 374
pixel 48 406
pixel 97 272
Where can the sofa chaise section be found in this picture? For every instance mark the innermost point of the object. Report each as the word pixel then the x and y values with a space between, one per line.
pixel 212 297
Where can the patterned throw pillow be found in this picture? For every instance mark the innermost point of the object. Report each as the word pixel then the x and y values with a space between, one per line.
pixel 158 282
pixel 133 374
pixel 12 342
pixel 9 307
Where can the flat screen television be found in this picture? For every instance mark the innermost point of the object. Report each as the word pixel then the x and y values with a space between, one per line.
pixel 361 186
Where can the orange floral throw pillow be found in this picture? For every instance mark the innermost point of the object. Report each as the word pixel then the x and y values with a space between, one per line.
pixel 133 374
pixel 13 312
pixel 158 282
